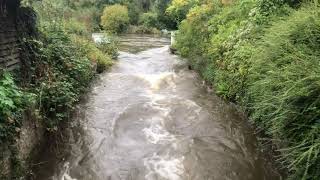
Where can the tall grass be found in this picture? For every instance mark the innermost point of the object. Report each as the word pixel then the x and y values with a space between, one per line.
pixel 265 55
pixel 284 90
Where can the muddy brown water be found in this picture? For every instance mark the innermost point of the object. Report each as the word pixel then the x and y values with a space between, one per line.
pixel 151 118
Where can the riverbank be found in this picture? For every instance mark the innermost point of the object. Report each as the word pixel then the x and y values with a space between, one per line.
pixel 263 55
pixel 58 63
pixel 58 73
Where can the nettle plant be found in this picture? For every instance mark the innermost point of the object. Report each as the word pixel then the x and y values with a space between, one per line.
pixel 60 72
pixel 12 101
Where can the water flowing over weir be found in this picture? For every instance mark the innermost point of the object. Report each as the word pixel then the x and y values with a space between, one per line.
pixel 150 118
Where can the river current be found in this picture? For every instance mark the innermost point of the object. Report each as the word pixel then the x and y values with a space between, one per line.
pixel 150 118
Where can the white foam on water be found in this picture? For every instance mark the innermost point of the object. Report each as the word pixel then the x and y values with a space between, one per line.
pixel 167 167
pixel 157 134
pixel 193 105
pixel 157 97
pixel 155 80
pixel 113 122
pixel 65 175
pixel 156 104
pixel 151 52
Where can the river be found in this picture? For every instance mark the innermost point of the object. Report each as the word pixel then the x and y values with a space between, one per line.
pixel 151 118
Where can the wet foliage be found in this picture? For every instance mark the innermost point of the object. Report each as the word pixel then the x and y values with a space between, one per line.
pixel 115 18
pixel 263 55
pixel 60 72
pixel 12 104
pixel 59 62
pixel 64 61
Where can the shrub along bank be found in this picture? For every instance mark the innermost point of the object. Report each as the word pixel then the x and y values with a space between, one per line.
pixel 59 63
pixel 136 16
pixel 60 72
pixel 263 54
pixel 59 60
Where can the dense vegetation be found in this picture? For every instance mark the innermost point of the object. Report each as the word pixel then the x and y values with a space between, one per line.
pixel 145 16
pixel 263 54
pixel 11 106
pixel 61 61
pixel 115 18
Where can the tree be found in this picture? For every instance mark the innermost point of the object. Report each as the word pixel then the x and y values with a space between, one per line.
pixel 165 21
pixel 115 18
pixel 179 9
pixel 149 20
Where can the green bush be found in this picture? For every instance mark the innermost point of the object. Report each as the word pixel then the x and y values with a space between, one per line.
pixel 178 9
pixel 164 20
pixel 110 48
pixel 264 55
pixel 115 18
pixel 12 104
pixel 192 39
pixel 134 13
pixel 284 90
pixel 95 55
pixel 73 26
pixel 143 30
pixel 149 20
pixel 228 52
pixel 225 37
pixel 194 32
pixel 62 60
pixel 60 72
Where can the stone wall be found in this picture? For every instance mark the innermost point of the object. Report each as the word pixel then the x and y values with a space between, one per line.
pixel 15 23
pixel 15 158
pixel 9 45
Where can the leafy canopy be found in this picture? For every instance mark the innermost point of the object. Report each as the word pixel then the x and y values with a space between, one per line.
pixel 115 18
